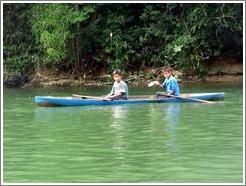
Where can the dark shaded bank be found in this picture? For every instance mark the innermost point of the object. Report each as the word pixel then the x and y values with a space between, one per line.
pixel 220 71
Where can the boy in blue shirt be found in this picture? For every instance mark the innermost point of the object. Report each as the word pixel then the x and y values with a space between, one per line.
pixel 170 84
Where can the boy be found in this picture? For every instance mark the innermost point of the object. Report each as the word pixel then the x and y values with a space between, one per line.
pixel 170 83
pixel 119 90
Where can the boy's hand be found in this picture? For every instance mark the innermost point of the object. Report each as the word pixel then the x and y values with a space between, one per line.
pixel 109 98
pixel 157 83
pixel 153 83
pixel 170 93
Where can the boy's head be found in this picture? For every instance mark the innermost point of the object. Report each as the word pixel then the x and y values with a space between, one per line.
pixel 117 75
pixel 167 72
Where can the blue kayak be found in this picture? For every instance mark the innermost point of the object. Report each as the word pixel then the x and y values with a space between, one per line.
pixel 75 101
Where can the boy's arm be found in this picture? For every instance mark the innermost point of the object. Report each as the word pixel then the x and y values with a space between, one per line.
pixel 114 94
pixel 111 96
pixel 159 84
pixel 117 94
pixel 121 92
pixel 171 92
pixel 111 93
pixel 173 87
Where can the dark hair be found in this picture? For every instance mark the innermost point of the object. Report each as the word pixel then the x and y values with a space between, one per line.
pixel 117 71
pixel 167 69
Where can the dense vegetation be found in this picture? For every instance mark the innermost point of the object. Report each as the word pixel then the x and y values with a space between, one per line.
pixel 79 38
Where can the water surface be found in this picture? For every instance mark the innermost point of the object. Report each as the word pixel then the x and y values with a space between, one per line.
pixel 168 142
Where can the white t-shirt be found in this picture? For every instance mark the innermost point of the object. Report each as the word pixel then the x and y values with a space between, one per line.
pixel 120 87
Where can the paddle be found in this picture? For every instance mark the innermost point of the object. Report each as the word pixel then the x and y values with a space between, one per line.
pixel 191 99
pixel 179 97
pixel 91 97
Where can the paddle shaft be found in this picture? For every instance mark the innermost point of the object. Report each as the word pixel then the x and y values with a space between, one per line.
pixel 191 99
pixel 90 97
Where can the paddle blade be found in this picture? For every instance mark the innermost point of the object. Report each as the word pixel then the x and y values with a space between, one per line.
pixel 153 83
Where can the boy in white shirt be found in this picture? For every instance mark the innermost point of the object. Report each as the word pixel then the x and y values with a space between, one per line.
pixel 119 90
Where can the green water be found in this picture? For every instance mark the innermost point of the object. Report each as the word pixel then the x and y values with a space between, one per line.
pixel 167 143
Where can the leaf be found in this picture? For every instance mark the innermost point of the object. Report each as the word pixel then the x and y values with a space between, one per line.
pixel 177 48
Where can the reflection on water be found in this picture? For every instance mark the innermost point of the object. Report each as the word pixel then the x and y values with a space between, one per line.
pixel 172 116
pixel 172 121
pixel 119 114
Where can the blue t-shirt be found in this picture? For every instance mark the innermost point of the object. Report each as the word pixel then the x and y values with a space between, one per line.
pixel 171 84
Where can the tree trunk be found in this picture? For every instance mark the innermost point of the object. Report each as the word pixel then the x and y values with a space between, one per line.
pixel 77 45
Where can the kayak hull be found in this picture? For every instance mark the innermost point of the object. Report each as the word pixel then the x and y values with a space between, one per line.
pixel 74 101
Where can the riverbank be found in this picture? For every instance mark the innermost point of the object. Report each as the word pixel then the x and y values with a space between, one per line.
pixel 217 71
pixel 66 82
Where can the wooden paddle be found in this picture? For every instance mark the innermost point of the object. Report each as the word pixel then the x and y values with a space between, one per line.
pixel 179 97
pixel 191 99
pixel 91 97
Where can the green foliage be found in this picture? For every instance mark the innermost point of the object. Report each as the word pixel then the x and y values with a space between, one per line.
pixel 53 27
pixel 120 52
pixel 19 51
pixel 126 36
pixel 50 23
